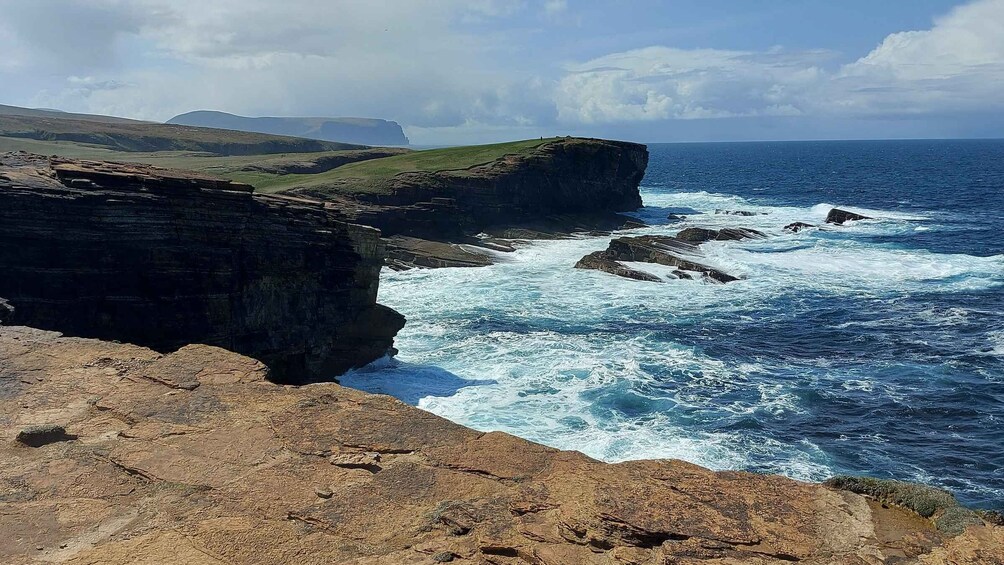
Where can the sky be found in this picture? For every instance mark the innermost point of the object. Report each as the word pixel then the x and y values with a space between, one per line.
pixel 477 71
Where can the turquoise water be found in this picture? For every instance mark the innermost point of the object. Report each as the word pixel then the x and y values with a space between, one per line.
pixel 875 348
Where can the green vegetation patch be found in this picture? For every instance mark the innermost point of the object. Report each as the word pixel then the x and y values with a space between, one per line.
pixel 949 516
pixel 371 176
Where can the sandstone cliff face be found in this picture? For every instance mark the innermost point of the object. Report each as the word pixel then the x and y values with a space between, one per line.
pixel 193 457
pixel 164 259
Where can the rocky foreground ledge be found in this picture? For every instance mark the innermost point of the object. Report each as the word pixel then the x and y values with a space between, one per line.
pixel 165 258
pixel 114 454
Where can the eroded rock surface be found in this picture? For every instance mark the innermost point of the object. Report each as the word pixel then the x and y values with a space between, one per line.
pixel 239 470
pixel 167 258
pixel 658 249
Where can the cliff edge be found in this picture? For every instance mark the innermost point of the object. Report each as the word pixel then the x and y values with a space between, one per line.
pixel 165 258
pixel 113 454
pixel 527 189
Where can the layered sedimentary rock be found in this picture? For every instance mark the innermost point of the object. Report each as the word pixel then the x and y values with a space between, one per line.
pixel 560 186
pixel 657 249
pixel 165 258
pixel 194 457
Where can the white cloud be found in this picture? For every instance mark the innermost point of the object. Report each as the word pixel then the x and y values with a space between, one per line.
pixel 956 66
pixel 658 83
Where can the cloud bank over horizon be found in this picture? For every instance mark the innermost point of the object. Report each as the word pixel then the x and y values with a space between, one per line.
pixel 456 71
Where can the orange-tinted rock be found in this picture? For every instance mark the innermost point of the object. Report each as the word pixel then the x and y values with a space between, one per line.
pixel 237 470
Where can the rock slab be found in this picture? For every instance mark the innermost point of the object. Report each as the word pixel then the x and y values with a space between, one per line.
pixel 236 471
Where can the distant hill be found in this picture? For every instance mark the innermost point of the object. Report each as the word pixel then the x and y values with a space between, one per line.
pixel 122 134
pixel 367 131
pixel 48 113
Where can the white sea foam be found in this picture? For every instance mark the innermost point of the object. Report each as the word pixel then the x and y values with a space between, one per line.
pixel 521 346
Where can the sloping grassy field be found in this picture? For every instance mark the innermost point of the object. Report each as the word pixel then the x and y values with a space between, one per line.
pixel 370 176
pixel 260 170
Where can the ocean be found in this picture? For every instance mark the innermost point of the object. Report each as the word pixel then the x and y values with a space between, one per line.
pixel 876 348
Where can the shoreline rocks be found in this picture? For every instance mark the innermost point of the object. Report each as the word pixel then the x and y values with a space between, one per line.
pixel 796 227
pixel 165 258
pixel 661 250
pixel 839 217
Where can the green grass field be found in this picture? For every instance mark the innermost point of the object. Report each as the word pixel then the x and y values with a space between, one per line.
pixel 359 177
pixel 369 176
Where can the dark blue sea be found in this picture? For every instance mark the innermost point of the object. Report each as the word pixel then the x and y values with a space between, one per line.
pixel 875 348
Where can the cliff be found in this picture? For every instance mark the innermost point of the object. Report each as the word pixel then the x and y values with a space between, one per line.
pixel 164 258
pixel 367 131
pixel 553 187
pixel 115 454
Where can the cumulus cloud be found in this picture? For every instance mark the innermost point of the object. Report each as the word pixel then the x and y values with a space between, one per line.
pixel 956 66
pixel 659 83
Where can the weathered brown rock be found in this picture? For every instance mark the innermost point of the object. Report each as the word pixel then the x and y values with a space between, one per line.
pixel 237 471
pixel 838 216
pixel 661 250
pixel 167 258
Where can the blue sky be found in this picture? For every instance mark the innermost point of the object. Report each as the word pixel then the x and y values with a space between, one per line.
pixel 472 71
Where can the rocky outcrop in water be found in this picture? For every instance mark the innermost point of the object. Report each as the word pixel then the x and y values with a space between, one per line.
pixel 838 216
pixel 570 184
pixel 194 457
pixel 165 258
pixel 661 250
pixel 700 235
pixel 796 227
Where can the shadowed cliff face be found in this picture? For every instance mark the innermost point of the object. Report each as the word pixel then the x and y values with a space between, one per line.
pixel 567 176
pixel 164 258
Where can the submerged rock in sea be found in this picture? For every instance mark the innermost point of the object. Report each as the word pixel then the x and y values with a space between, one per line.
pixel 796 227
pixel 165 258
pixel 237 471
pixel 661 250
pixel 739 213
pixel 838 216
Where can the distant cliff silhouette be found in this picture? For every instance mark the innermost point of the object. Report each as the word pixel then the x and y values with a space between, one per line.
pixel 368 131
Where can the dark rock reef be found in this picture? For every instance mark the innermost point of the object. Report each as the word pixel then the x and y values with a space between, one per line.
pixel 796 227
pixel 661 250
pixel 165 258
pixel 700 235
pixel 838 216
